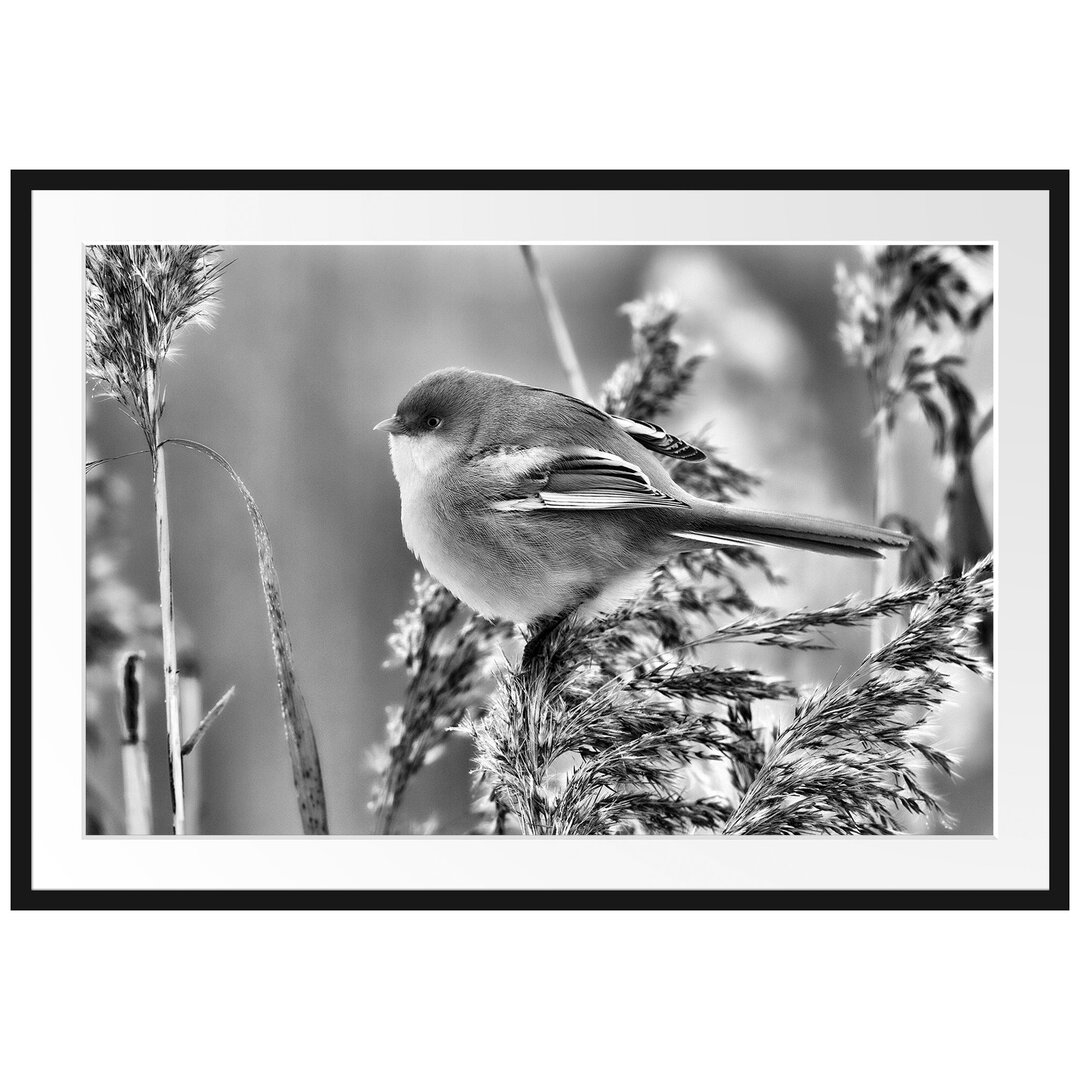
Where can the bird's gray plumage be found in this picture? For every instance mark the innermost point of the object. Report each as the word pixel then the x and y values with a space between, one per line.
pixel 526 502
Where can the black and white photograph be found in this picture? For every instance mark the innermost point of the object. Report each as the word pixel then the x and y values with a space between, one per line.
pixel 455 544
pixel 554 539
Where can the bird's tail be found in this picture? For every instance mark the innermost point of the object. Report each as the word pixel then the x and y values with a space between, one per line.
pixel 715 523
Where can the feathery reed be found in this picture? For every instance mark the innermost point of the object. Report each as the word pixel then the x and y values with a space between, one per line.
pixel 646 386
pixel 846 762
pixel 138 298
pixel 893 314
pixel 447 656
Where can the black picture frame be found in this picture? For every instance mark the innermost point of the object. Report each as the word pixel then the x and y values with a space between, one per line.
pixel 23 896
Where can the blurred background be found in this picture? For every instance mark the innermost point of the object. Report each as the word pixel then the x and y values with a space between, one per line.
pixel 311 346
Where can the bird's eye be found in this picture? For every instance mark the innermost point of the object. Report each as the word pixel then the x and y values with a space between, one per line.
pixel 433 421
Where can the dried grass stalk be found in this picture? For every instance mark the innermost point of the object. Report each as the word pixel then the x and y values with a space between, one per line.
pixel 173 719
pixel 847 761
pixel 564 345
pixel 299 732
pixel 191 713
pixel 138 298
pixel 893 313
pixel 448 657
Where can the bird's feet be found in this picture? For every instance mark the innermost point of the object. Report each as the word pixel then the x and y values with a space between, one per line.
pixel 538 635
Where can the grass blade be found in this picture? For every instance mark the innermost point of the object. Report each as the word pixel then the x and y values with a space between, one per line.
pixel 204 724
pixel 300 735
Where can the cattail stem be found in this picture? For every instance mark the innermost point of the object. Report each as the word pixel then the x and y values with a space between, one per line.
pixel 173 720
pixel 557 324
pixel 138 816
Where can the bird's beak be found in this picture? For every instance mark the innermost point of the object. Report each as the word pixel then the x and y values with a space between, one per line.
pixel 391 424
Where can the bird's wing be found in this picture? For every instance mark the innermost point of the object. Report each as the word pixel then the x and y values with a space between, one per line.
pixel 658 440
pixel 649 435
pixel 577 478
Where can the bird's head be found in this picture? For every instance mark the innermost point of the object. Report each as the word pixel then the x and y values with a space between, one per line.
pixel 446 405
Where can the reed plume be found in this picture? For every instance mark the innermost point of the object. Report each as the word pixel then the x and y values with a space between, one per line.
pixel 898 314
pixel 138 298
pixel 847 761
pixel 448 656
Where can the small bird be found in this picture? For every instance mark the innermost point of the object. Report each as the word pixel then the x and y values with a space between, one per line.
pixel 528 503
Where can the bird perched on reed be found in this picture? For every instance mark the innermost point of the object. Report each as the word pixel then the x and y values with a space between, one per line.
pixel 528 504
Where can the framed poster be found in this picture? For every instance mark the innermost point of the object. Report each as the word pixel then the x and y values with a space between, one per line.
pixel 648 435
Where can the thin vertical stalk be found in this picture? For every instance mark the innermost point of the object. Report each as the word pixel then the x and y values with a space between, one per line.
pixel 138 816
pixel 384 818
pixel 881 509
pixel 564 346
pixel 173 720
pixel 191 717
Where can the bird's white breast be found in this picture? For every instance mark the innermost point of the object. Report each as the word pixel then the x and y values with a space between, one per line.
pixel 418 466
pixel 416 462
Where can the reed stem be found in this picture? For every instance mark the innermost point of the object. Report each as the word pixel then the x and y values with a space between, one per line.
pixel 191 718
pixel 384 817
pixel 173 721
pixel 881 509
pixel 564 346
